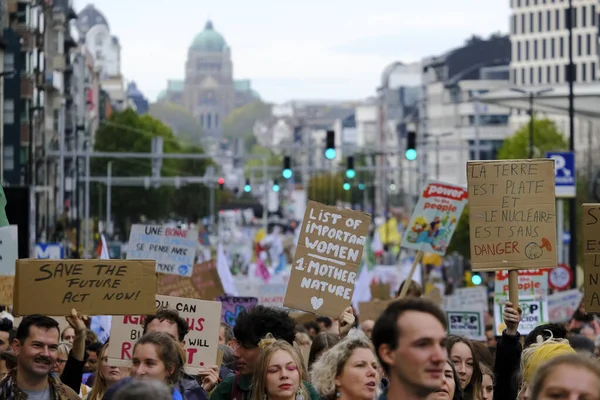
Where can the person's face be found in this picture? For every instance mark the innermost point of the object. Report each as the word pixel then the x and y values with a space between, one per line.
pixel 462 358
pixel 570 383
pixel 245 358
pixel 446 391
pixel 91 364
pixel 491 338
pixel 110 374
pixel 4 343
pixel 61 361
pixel 282 376
pixel 163 326
pixel 221 335
pixel 38 353
pixel 487 388
pixel 367 327
pixel 145 363
pixel 419 359
pixel 69 335
pixel 3 369
pixel 588 332
pixel 359 377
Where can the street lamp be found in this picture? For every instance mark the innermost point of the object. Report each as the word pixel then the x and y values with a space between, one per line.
pixel 531 95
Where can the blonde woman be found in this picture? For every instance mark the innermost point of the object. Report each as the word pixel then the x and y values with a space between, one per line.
pixel 279 372
pixel 570 376
pixel 106 376
pixel 64 348
pixel 347 371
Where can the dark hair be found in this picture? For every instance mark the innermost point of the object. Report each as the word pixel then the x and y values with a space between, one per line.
pixel 547 331
pixel 458 392
pixel 9 359
pixel 228 332
pixel 414 289
pixel 483 353
pixel 325 321
pixel 6 325
pixel 62 334
pixel 386 329
pixel 165 314
pixel 253 325
pixel 143 389
pixel 473 389
pixel 37 320
pixel 321 342
pixel 581 343
pixel 94 347
pixel 312 325
pixel 168 350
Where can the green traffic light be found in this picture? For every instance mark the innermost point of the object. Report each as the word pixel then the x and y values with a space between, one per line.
pixel 287 173
pixel 411 154
pixel 346 186
pixel 350 173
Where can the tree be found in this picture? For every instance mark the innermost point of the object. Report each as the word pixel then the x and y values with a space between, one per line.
pixel 461 239
pixel 183 124
pixel 256 164
pixel 546 137
pixel 240 123
pixel 327 189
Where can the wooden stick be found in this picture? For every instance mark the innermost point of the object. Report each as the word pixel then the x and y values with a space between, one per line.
pixel 513 288
pixel 409 279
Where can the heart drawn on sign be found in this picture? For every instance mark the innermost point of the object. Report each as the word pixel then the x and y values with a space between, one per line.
pixel 316 302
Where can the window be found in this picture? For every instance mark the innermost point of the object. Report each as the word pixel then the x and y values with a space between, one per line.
pixel 523 29
pixel 552 49
pixel 485 154
pixel 25 111
pixel 588 44
pixel 487 120
pixel 539 74
pixel 579 46
pixel 561 45
pixel 548 20
pixel 531 28
pixel 9 112
pixel 548 73
pixel 593 15
pixel 202 120
pixel 522 76
pixel 593 71
pixel 574 16
pixel 208 121
pixel 583 72
pixel 557 19
pixel 543 49
pixel 527 50
pixel 518 51
pixel 583 17
pixel 513 24
pixel 540 25
pixel 216 120
pixel 535 49
pixel 568 75
pixel 531 80
pixel 557 74
pixel 9 158
pixel 9 61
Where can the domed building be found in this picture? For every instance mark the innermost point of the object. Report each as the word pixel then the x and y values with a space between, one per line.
pixel 209 90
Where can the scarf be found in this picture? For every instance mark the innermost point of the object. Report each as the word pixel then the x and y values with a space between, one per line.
pixel 10 391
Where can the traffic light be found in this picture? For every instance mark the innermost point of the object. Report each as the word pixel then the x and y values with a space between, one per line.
pixel 346 186
pixel 275 185
pixel 221 182
pixel 350 172
pixel 411 146
pixel 330 145
pixel 361 186
pixel 476 279
pixel 287 168
pixel 247 187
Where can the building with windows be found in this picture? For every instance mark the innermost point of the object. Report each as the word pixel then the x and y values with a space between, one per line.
pixel 209 90
pixel 136 99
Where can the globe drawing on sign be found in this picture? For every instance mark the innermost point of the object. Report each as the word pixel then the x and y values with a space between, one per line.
pixel 534 251
pixel 183 269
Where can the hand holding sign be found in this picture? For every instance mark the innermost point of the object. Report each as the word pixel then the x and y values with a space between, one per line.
pixel 511 318
pixel 77 321
pixel 346 321
pixel 208 377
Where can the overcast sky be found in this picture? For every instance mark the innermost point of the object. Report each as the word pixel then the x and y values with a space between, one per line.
pixel 309 49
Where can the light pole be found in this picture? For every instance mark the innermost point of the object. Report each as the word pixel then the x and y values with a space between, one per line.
pixel 573 201
pixel 531 95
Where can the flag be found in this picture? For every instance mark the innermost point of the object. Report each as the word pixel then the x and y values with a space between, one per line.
pixel 101 324
pixel 3 218
pixel 362 287
pixel 225 272
pixel 103 248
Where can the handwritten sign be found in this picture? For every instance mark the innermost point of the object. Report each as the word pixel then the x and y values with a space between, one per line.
pixel 532 282
pixel 512 214
pixel 203 318
pixel 7 284
pixel 562 305
pixel 435 218
pixel 9 249
pixel 233 306
pixel 173 249
pixel 535 312
pixel 272 295
pixel 591 257
pixel 93 287
pixel 327 259
pixel 204 284
pixel 468 322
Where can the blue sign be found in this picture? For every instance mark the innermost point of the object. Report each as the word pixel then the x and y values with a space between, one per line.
pixel 49 250
pixel 564 172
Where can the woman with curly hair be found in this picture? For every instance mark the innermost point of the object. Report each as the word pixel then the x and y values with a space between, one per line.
pixel 279 372
pixel 347 371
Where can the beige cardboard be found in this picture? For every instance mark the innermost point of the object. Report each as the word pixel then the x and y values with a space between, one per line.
pixel 301 318
pixel 591 257
pixel 327 258
pixel 201 343
pixel 372 309
pixel 380 291
pixel 92 287
pixel 7 284
pixel 512 214
pixel 204 284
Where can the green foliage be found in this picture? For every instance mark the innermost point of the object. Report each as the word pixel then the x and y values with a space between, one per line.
pixel 461 240
pixel 126 131
pixel 255 163
pixel 240 123
pixel 546 137
pixel 183 124
pixel 328 189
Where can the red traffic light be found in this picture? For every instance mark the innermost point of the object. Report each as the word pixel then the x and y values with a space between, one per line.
pixel 221 181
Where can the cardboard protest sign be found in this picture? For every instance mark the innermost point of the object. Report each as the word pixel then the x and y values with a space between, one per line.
pixel 468 322
pixel 381 291
pixel 92 287
pixel 203 318
pixel 591 257
pixel 7 284
pixel 271 294
pixel 465 297
pixel 233 306
pixel 173 249
pixel 532 282
pixel 512 214
pixel 204 284
pixel 9 249
pixel 372 309
pixel 435 218
pixel 535 312
pixel 327 259
pixel 562 305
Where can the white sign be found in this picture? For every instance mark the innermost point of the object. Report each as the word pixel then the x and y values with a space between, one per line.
pixel 535 312
pixel 173 249
pixel 272 295
pixel 562 305
pixel 9 249
pixel 468 322
pixel 466 297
